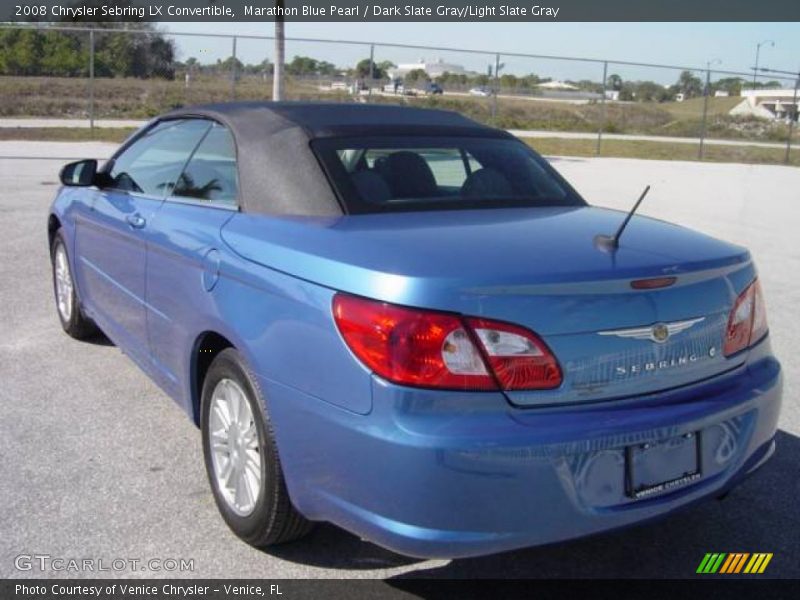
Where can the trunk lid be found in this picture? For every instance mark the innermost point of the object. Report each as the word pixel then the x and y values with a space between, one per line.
pixel 536 267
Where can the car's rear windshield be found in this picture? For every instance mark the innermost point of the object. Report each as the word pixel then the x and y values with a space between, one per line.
pixel 407 173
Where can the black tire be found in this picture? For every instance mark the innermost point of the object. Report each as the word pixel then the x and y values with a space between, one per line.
pixel 78 325
pixel 273 520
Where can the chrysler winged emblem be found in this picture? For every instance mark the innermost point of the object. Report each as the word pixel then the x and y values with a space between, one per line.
pixel 658 333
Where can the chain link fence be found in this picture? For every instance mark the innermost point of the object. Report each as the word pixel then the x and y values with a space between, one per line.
pixel 561 105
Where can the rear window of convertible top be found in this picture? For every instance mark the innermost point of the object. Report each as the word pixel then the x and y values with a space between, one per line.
pixel 408 173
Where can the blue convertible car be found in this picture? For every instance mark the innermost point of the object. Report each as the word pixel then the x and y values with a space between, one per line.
pixel 408 324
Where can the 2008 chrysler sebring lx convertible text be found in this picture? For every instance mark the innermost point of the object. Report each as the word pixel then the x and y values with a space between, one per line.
pixel 405 323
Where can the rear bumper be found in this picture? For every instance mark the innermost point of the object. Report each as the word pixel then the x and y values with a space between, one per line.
pixel 441 474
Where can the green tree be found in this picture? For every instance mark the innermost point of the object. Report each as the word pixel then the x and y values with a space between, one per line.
pixel 363 70
pixel 648 91
pixel 416 76
pixel 614 82
pixel 509 81
pixel 229 64
pixel 326 68
pixel 302 66
pixel 20 52
pixel 145 53
pixel 689 85
pixel 732 85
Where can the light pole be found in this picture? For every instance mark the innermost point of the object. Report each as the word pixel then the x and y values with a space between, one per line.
pixel 758 51
pixel 716 61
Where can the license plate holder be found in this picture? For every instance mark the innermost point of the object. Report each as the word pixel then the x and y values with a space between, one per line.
pixel 654 468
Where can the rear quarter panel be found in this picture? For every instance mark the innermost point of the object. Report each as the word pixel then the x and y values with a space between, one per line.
pixel 285 328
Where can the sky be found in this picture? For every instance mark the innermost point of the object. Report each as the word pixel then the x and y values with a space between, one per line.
pixel 690 44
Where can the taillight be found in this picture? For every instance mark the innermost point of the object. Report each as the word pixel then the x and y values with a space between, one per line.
pixel 760 326
pixel 747 322
pixel 518 358
pixel 425 348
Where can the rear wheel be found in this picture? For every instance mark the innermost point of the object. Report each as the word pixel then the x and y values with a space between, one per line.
pixel 74 322
pixel 242 459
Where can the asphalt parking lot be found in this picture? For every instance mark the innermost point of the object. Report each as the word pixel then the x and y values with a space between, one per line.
pixel 99 463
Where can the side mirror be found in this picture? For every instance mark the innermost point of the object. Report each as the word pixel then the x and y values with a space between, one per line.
pixel 79 174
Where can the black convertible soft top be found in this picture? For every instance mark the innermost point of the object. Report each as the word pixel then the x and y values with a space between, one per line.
pixel 278 170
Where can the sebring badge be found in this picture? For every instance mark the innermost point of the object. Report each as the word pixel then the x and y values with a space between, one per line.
pixel 657 365
pixel 658 333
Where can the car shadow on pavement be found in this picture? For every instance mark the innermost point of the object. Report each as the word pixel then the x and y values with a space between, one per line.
pixel 330 547
pixel 99 339
pixel 760 515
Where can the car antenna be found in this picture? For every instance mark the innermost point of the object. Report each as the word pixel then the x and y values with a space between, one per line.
pixel 611 242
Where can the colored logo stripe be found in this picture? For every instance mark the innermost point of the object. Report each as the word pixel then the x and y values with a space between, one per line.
pixel 734 563
pixel 721 562
pixel 758 563
pixel 711 563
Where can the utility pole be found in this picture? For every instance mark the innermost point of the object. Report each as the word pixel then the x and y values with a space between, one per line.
pixel 280 51
pixel 371 70
pixel 792 120
pixel 233 69
pixel 705 107
pixel 602 110
pixel 91 81
pixel 497 66
pixel 758 51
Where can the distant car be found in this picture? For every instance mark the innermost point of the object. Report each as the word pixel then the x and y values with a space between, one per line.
pixel 431 88
pixel 403 322
pixel 480 91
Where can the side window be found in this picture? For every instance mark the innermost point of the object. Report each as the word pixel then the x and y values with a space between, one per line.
pixel 152 164
pixel 211 172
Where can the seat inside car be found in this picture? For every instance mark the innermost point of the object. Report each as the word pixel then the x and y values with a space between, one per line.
pixel 487 183
pixel 371 186
pixel 408 175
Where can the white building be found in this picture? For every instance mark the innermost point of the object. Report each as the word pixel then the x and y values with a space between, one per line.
pixel 558 85
pixel 767 104
pixel 433 69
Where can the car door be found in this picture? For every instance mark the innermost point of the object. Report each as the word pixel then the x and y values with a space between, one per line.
pixel 184 258
pixel 112 242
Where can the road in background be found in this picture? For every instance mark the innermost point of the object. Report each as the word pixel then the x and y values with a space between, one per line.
pixel 99 463
pixel 36 123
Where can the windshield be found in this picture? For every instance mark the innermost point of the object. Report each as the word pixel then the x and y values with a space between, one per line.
pixel 406 173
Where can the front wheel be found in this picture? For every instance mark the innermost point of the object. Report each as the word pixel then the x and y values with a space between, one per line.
pixel 242 459
pixel 73 321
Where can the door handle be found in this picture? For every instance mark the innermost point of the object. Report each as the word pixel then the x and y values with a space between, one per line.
pixel 136 220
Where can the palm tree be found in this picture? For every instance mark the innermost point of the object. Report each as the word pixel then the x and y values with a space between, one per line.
pixel 280 50
pixel 614 82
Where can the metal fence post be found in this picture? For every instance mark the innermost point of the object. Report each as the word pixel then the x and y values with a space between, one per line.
pixel 371 71
pixel 233 69
pixel 602 110
pixel 496 85
pixel 705 113
pixel 91 81
pixel 793 117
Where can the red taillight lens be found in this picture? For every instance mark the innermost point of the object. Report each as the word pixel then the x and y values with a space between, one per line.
pixel 411 347
pixel 519 359
pixel 431 349
pixel 747 322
